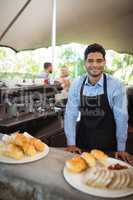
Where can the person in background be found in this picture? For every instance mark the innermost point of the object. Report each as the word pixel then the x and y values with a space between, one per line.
pixel 96 114
pixel 48 69
pixel 64 79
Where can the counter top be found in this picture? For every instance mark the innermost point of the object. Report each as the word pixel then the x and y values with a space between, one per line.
pixel 19 87
pixel 25 118
pixel 39 180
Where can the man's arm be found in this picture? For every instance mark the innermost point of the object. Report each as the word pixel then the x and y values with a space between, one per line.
pixel 121 116
pixel 71 115
pixel 121 119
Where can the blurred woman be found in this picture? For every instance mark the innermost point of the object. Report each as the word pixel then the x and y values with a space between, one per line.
pixel 64 79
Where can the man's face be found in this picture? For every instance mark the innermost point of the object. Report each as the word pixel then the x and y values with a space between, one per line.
pixel 94 64
pixel 50 69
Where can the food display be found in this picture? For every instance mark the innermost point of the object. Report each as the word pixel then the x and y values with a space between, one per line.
pixel 19 146
pixel 111 179
pixel 97 172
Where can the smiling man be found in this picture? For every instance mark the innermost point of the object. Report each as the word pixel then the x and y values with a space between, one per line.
pixel 96 113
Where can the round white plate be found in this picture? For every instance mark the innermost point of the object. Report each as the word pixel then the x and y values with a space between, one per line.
pixel 25 159
pixel 76 180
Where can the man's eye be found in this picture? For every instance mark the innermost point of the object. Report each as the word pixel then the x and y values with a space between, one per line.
pixel 90 61
pixel 99 60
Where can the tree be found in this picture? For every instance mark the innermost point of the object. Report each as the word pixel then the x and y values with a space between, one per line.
pixel 123 67
pixel 73 61
pixel 2 53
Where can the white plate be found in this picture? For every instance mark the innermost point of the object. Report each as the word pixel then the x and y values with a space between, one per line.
pixel 25 159
pixel 76 181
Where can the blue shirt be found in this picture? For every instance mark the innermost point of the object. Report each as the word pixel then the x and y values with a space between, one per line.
pixel 117 99
pixel 44 76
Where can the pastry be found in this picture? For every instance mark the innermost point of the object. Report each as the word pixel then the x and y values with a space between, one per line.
pixel 38 144
pixel 29 149
pixel 19 143
pixel 20 139
pixel 76 164
pixel 100 156
pixel 89 158
pixel 13 151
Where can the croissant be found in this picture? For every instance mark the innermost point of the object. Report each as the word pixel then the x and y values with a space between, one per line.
pixel 27 145
pixel 13 151
pixel 20 139
pixel 28 149
pixel 38 144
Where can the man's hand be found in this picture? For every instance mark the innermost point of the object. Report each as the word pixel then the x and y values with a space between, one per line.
pixel 124 156
pixel 73 149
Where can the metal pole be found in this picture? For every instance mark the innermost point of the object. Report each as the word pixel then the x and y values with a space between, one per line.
pixel 53 40
pixel 14 19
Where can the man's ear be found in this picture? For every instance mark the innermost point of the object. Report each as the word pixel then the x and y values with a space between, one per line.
pixel 85 63
pixel 104 61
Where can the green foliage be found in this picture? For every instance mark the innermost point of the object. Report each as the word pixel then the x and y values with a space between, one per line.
pixel 15 76
pixel 2 54
pixel 25 65
pixel 32 66
pixel 123 67
pixel 73 61
pixel 108 71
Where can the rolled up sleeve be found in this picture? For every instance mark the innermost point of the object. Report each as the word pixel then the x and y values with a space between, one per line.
pixel 121 116
pixel 71 113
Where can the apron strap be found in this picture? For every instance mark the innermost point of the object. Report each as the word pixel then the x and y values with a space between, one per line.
pixel 81 92
pixel 105 84
pixel 105 90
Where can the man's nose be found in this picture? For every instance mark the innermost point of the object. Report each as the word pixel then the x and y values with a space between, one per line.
pixel 95 64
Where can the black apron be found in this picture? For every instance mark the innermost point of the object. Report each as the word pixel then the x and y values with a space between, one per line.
pixel 96 128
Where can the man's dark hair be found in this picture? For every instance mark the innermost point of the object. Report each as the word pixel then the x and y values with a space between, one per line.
pixel 47 64
pixel 94 48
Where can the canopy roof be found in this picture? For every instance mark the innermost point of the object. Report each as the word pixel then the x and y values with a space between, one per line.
pixel 108 22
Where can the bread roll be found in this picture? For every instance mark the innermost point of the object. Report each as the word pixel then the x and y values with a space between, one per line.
pixel 89 158
pixel 100 156
pixel 76 164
